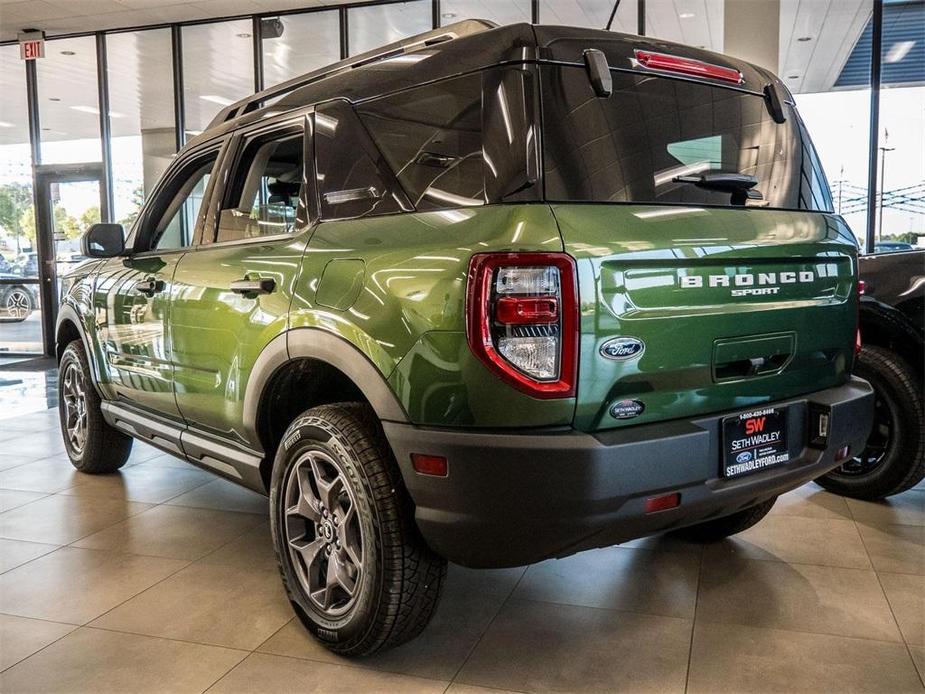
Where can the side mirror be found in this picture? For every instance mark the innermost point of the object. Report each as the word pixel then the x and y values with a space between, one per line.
pixel 103 241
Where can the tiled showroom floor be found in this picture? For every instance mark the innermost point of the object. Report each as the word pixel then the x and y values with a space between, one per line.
pixel 162 578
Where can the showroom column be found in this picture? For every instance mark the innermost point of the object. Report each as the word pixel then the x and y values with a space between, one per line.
pixel 158 149
pixel 751 31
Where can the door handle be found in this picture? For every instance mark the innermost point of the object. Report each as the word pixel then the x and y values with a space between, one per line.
pixel 258 286
pixel 149 286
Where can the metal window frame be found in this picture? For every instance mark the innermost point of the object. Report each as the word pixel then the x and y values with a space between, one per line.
pixel 873 142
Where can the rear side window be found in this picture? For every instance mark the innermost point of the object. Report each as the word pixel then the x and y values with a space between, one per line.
pixel 353 179
pixel 431 138
pixel 634 145
pixel 265 188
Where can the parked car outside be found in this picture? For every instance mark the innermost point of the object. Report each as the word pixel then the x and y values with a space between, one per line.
pixel 892 359
pixel 487 295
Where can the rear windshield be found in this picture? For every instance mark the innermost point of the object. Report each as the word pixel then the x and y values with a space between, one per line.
pixel 633 145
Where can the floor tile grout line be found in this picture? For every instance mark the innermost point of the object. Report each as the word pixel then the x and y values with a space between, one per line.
pixel 187 642
pixel 690 650
pixel 47 645
pixel 348 664
pixel 40 619
pixel 765 627
pixel 160 556
pixel 892 612
pixel 29 561
pixel 157 583
pixel 488 626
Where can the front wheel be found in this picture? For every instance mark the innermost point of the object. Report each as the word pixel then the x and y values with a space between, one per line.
pixel 893 459
pixel 92 445
pixel 721 528
pixel 354 565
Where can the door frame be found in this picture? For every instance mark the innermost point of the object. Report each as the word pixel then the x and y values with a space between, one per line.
pixel 45 176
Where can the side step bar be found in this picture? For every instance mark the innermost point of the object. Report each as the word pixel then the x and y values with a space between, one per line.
pixel 237 463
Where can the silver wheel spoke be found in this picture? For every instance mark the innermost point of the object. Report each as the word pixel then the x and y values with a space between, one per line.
pixel 323 532
pixel 74 401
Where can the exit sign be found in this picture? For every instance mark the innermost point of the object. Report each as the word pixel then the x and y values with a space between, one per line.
pixel 32 45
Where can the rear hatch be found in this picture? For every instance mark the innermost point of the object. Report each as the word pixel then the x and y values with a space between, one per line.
pixel 697 295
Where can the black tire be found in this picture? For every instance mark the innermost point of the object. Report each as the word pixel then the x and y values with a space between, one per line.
pixel 16 303
pixel 101 449
pixel 375 549
pixel 721 528
pixel 894 458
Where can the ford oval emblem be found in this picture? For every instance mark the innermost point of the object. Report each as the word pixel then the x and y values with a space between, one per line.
pixel 626 409
pixel 623 348
pixel 744 457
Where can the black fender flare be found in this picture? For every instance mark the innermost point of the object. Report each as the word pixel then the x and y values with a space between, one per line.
pixel 324 346
pixel 66 312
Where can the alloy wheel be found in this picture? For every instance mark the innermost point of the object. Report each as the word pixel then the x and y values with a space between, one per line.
pixel 18 305
pixel 75 407
pixel 878 443
pixel 323 534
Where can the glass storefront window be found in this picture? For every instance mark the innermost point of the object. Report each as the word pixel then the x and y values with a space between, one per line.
pixel 510 12
pixel 589 13
pixel 142 122
pixel 824 63
pixel 218 69
pixel 376 25
pixel 296 44
pixel 20 311
pixel 900 161
pixel 68 104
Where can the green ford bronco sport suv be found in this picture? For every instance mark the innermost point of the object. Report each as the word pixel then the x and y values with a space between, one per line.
pixel 487 295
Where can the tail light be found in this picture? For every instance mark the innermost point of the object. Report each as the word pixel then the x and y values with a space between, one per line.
pixel 522 320
pixel 687 66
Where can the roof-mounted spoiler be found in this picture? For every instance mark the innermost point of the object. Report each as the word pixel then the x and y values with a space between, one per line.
pixel 408 45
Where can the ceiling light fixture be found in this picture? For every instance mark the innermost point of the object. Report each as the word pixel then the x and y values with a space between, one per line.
pixel 793 77
pixel 95 111
pixel 4 124
pixel 220 100
pixel 67 53
pixel 686 15
pixel 53 98
pixel 803 39
pixel 898 51
pixel 448 15
pixel 243 36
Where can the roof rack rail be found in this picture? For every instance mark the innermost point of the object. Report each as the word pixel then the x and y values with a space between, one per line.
pixel 408 45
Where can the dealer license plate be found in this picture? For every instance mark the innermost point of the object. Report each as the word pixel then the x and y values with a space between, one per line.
pixel 754 441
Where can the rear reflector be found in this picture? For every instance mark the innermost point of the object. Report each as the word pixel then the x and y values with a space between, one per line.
pixel 687 66
pixel 662 503
pixel 433 465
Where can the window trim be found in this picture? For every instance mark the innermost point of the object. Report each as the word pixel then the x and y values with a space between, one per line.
pixel 140 235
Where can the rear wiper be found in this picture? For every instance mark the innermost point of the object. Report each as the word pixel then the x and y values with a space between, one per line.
pixel 739 186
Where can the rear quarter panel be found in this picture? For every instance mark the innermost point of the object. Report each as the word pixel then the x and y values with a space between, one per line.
pixel 406 311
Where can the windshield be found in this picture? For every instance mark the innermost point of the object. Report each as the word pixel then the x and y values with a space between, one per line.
pixel 654 139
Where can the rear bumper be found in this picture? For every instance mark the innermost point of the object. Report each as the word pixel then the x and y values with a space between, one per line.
pixel 517 498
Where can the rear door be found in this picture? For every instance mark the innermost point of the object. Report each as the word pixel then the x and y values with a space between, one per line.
pixel 693 302
pixel 133 294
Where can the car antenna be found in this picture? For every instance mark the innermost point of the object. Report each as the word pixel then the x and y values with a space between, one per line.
pixel 613 13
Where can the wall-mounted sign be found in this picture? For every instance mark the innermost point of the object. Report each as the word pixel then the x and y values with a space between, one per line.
pixel 32 45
